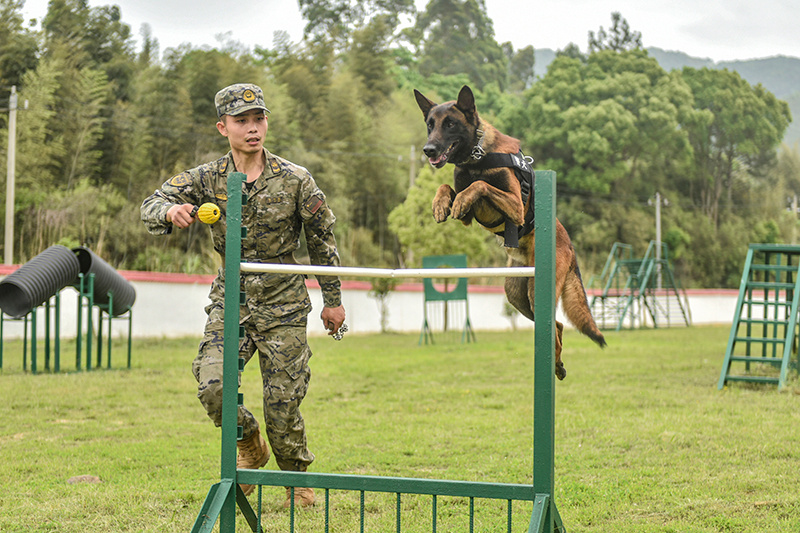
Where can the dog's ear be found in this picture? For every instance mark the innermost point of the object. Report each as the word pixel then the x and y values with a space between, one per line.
pixel 424 103
pixel 466 102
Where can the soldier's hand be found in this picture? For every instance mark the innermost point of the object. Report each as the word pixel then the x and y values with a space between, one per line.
pixel 332 318
pixel 181 215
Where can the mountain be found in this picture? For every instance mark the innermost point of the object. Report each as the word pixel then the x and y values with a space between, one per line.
pixel 780 75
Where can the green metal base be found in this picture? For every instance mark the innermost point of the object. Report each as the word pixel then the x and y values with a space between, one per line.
pixel 215 502
pixel 545 517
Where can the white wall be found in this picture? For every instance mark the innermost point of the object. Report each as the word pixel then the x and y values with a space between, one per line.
pixel 173 306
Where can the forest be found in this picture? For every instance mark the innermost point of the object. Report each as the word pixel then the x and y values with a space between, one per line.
pixel 109 118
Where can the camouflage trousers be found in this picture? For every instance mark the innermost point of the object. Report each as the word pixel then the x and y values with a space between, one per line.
pixel 283 356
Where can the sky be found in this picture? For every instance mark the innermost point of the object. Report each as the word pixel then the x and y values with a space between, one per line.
pixel 721 30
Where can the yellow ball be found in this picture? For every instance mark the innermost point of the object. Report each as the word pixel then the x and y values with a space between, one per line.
pixel 208 213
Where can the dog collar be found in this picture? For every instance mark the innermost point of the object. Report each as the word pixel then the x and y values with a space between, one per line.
pixel 478 152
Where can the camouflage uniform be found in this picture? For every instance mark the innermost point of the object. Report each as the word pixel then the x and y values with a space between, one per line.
pixel 280 202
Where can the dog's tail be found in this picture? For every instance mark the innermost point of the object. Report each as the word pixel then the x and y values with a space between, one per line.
pixel 576 306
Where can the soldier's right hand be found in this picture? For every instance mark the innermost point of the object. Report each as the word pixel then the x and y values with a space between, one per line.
pixel 181 215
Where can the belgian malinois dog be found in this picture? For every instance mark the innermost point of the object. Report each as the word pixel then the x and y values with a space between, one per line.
pixel 492 194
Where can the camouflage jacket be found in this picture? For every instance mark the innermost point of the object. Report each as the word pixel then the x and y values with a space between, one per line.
pixel 281 202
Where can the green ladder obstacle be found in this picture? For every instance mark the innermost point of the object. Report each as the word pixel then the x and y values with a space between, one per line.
pixel 224 497
pixel 639 290
pixel 764 336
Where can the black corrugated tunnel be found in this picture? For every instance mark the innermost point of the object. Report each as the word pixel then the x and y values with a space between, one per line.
pixel 37 280
pixel 106 279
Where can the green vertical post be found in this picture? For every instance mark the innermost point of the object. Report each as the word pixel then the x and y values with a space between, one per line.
pixel 47 334
pixel 89 326
pixel 545 516
pixel 99 337
pixel 130 332
pixel 58 333
pixel 230 366
pixel 25 344
pixel 79 336
pixel 110 316
pixel 33 340
pixel 221 500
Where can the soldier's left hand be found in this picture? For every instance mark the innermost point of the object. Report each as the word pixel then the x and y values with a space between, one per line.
pixel 332 318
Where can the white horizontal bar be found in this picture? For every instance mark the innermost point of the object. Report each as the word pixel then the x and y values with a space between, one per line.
pixel 361 272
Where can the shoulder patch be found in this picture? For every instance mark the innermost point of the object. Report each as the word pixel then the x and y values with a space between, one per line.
pixel 275 166
pixel 313 204
pixel 181 180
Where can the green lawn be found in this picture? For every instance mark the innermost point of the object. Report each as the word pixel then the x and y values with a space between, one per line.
pixel 644 440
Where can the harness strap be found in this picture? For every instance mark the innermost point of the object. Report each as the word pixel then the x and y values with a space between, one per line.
pixel 524 173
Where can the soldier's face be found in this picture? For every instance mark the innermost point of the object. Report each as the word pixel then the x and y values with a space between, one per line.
pixel 245 132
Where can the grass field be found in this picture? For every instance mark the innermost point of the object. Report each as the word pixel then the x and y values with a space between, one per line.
pixel 644 440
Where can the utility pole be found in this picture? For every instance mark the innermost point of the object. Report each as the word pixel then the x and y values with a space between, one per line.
pixel 658 200
pixel 412 170
pixel 10 176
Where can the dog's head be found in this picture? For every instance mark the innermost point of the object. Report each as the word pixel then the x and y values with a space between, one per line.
pixel 452 128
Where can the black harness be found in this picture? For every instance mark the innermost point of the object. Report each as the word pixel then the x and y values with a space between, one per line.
pixel 524 173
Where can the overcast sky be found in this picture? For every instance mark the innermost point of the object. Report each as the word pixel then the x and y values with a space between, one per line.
pixel 717 29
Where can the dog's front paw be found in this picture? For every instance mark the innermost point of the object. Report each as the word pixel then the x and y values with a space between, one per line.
pixel 461 207
pixel 441 210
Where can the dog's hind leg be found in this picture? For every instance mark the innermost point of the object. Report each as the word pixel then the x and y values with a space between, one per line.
pixel 561 372
pixel 519 292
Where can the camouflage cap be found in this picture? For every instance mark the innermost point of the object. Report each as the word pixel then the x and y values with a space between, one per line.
pixel 238 98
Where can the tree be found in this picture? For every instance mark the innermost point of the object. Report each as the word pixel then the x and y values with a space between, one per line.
pixel 573 51
pixel 18 46
pixel 520 67
pixel 336 20
pixel 370 59
pixel 788 172
pixel 610 124
pixel 457 37
pixel 619 38
pixel 737 140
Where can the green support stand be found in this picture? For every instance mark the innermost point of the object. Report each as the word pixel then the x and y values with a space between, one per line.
pixel 49 325
pixel 85 288
pixel 432 294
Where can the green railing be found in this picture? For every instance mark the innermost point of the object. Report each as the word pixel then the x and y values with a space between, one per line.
pixel 223 498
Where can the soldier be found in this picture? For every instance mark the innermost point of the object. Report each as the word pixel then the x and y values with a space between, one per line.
pixel 282 199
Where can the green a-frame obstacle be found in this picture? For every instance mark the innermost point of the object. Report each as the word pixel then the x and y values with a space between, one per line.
pixel 764 333
pixel 224 497
pixel 641 290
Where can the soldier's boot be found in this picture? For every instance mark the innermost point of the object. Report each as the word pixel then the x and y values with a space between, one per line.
pixel 303 496
pixel 253 454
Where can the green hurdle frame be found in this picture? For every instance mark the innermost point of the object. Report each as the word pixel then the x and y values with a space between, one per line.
pixel 223 497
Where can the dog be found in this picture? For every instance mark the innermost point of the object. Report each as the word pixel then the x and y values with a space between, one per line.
pixel 493 196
